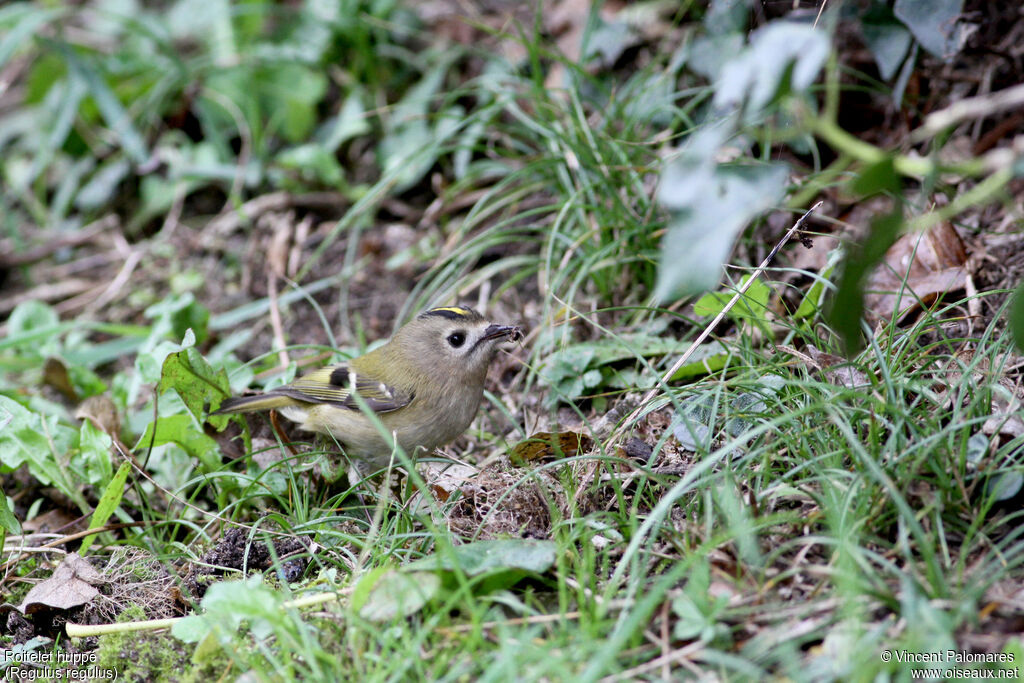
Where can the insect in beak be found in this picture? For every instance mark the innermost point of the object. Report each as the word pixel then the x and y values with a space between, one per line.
pixel 513 332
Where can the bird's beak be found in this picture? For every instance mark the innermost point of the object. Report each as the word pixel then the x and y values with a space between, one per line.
pixel 513 332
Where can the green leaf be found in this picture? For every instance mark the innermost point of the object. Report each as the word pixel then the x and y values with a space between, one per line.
pixel 697 611
pixel 707 359
pixel 726 16
pixel 113 112
pixel 195 381
pixel 753 305
pixel 388 594
pixel 708 55
pixel 934 23
pixel 570 370
pixel 311 163
pixel 226 605
pixel 32 18
pixel 25 439
pixel 782 56
pixel 181 429
pixel 812 301
pixel 875 178
pixel 109 501
pixel 848 305
pixel 710 205
pixel 8 522
pixel 174 317
pixel 350 122
pixel 502 562
pixel 888 39
pixel 104 183
pixel 30 317
pixel 94 453
pixel 411 145
pixel 1017 316
pixel 292 92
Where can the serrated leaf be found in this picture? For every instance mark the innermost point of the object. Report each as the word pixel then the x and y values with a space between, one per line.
pixel 195 381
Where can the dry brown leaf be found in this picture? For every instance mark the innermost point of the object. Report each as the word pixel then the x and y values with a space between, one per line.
pixel 636 449
pixel 53 521
pixel 72 584
pixel 917 268
pixel 445 478
pixel 102 413
pixel 55 374
pixel 837 370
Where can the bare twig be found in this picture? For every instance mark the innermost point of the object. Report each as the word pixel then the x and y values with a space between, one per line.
pixel 970 108
pixel 53 241
pixel 277 255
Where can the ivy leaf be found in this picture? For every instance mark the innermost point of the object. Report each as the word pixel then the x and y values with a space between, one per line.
pixel 710 205
pixel 934 23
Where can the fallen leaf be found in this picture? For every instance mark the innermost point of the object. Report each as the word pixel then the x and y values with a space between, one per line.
pixel 102 413
pixel 72 584
pixel 445 478
pixel 637 449
pixel 918 268
pixel 837 370
pixel 393 594
pixel 55 375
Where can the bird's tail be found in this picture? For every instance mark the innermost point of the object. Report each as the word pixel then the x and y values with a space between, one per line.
pixel 250 404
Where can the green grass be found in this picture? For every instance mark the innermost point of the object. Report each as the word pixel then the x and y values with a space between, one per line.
pixel 814 525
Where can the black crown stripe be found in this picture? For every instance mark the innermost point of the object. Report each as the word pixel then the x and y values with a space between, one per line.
pixel 452 313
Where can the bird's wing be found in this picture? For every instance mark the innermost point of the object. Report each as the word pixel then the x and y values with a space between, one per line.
pixel 333 384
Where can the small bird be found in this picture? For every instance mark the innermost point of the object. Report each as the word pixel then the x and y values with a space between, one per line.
pixel 425 385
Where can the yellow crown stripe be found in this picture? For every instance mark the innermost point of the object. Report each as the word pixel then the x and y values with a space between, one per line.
pixel 453 313
pixel 453 309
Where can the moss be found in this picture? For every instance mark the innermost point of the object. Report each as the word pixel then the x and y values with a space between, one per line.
pixel 151 656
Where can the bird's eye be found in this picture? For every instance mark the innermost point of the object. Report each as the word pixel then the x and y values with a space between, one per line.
pixel 457 339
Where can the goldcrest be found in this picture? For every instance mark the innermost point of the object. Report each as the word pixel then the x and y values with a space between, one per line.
pixel 425 386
